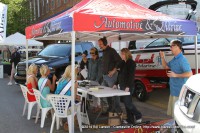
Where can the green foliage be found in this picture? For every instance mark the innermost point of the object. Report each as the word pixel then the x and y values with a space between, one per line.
pixel 18 17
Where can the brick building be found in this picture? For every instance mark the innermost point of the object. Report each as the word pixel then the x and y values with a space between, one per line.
pixel 45 9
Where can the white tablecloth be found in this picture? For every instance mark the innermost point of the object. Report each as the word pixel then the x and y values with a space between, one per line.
pixel 104 91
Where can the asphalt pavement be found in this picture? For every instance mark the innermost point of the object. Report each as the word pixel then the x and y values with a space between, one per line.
pixel 12 121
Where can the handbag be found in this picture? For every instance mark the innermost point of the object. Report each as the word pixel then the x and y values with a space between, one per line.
pixel 114 118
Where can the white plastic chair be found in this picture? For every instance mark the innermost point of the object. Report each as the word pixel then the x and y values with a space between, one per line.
pixel 30 104
pixel 38 96
pixel 61 107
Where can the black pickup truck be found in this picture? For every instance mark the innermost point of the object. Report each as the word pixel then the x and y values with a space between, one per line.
pixel 56 56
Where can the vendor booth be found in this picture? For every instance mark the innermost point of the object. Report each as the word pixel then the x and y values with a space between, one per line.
pixel 16 40
pixel 120 20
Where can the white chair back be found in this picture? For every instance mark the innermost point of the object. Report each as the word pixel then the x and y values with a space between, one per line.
pixel 38 96
pixel 25 91
pixel 60 104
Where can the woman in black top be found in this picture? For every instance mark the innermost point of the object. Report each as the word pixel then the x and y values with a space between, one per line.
pixel 126 83
pixel 84 62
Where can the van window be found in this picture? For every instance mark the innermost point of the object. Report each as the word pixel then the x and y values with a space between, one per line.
pixel 78 49
pixel 87 46
pixel 56 50
pixel 161 42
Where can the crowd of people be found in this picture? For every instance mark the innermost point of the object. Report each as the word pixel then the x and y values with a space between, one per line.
pixel 112 70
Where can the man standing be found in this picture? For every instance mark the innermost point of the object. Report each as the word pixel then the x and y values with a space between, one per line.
pixel 15 59
pixel 110 61
pixel 179 73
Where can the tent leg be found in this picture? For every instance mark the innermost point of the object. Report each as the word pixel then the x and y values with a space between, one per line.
pixel 73 35
pixel 26 55
pixel 196 55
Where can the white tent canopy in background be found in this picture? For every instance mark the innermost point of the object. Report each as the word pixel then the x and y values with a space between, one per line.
pixel 19 39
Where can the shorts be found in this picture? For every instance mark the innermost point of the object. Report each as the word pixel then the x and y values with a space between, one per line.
pixel 171 103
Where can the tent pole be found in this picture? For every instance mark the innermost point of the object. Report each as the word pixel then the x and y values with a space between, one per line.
pixel 73 34
pixel 120 44
pixel 26 55
pixel 196 55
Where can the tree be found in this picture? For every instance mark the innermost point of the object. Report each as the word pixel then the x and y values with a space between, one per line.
pixel 18 17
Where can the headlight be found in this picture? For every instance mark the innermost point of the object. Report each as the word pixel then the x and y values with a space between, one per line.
pixel 182 95
pixel 188 101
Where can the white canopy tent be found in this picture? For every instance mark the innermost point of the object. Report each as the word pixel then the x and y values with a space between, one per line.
pixel 19 39
pixel 118 20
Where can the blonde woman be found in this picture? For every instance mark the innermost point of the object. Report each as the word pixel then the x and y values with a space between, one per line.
pixel 31 81
pixel 45 85
pixel 62 89
pixel 64 80
pixel 126 83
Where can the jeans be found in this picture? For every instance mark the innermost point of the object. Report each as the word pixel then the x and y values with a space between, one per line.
pixel 131 110
pixel 110 82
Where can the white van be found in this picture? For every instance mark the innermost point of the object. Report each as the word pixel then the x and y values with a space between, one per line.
pixel 187 108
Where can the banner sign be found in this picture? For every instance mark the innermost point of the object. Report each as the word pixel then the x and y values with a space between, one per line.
pixel 56 26
pixel 3 21
pixel 111 23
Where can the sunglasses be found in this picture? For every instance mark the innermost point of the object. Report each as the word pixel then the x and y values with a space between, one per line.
pixel 92 53
pixel 172 46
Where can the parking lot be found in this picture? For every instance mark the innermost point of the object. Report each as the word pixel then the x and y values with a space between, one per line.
pixel 12 101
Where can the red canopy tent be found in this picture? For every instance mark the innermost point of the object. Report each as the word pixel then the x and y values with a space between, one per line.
pixel 97 18
pixel 115 19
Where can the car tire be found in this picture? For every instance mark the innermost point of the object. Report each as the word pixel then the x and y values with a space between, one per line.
pixel 140 91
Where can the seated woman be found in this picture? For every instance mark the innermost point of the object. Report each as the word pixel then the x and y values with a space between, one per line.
pixel 31 81
pixel 64 84
pixel 45 85
pixel 64 88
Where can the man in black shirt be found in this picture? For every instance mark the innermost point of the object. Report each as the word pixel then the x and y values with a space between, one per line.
pixel 110 61
pixel 15 59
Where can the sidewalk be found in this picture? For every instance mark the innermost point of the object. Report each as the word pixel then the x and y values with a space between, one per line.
pixel 12 101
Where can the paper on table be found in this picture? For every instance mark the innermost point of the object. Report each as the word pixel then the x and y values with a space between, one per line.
pixel 94 89
pixel 84 73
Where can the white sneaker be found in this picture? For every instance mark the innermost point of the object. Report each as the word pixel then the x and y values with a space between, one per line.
pixel 138 121
pixel 16 83
pixel 9 83
pixel 125 122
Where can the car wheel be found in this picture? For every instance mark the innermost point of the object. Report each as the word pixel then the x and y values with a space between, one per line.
pixel 140 91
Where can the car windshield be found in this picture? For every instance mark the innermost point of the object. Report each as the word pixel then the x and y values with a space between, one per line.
pixel 163 42
pixel 56 50
pixel 187 40
pixel 181 11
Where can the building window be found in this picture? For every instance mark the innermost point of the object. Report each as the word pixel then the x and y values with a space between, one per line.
pixel 65 1
pixel 31 9
pixel 52 4
pixel 38 7
pixel 58 3
pixel 34 10
pixel 47 6
pixel 42 7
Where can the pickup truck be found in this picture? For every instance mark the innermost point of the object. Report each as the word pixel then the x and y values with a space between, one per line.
pixel 56 56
